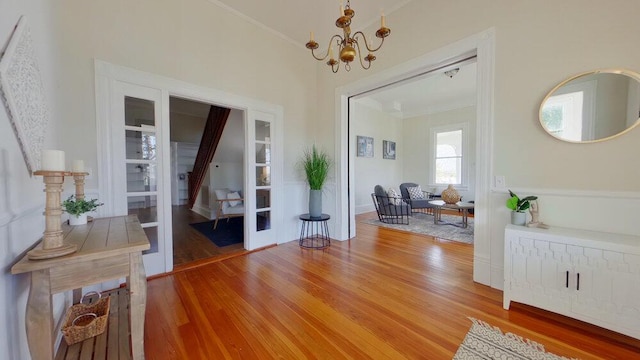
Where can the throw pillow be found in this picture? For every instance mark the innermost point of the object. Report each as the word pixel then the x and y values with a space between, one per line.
pixel 234 195
pixel 394 197
pixel 221 194
pixel 415 193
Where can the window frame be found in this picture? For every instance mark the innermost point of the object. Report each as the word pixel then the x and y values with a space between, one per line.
pixel 464 167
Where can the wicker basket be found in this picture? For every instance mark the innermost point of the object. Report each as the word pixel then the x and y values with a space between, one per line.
pixel 83 321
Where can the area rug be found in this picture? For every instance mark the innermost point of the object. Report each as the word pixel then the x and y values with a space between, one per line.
pixel 421 223
pixel 484 341
pixel 225 234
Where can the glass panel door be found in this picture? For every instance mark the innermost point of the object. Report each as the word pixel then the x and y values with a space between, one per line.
pixel 141 165
pixel 137 166
pixel 261 182
pixel 263 175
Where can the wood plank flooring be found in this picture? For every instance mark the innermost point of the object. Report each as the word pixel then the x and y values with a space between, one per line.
pixel 383 295
pixel 190 245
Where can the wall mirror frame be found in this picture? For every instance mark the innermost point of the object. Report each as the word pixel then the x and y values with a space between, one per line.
pixel 592 106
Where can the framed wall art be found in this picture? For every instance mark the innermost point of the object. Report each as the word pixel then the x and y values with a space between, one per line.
pixel 388 149
pixel 365 146
pixel 23 94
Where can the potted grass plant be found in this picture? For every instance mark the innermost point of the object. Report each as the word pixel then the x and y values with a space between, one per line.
pixel 78 209
pixel 316 165
pixel 518 207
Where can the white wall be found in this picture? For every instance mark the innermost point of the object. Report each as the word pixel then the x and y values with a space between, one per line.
pixel 177 39
pixel 537 45
pixel 366 121
pixel 419 148
pixel 21 196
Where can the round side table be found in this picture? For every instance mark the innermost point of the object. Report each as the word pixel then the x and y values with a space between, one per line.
pixel 315 231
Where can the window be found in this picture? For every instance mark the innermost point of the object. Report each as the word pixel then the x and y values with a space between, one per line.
pixel 562 115
pixel 449 155
pixel 570 112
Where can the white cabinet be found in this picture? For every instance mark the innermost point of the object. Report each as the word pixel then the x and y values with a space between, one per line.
pixel 590 276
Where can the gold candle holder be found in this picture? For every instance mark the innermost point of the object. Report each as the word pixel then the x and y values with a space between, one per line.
pixel 52 245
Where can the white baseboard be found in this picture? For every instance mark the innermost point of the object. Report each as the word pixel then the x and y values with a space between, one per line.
pixel 482 270
pixel 361 209
pixel 204 211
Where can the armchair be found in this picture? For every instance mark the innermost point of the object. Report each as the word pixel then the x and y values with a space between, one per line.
pixel 416 203
pixel 390 210
pixel 228 204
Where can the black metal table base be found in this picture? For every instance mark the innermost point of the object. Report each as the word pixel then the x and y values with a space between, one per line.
pixel 314 233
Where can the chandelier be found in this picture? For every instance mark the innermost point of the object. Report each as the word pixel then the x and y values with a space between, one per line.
pixel 350 46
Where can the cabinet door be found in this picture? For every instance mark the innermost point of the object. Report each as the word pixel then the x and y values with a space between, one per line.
pixel 537 273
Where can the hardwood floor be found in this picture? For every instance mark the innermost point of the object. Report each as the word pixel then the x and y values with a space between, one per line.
pixel 382 295
pixel 189 245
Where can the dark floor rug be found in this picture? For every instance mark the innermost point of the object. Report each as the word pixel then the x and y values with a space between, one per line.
pixel 225 234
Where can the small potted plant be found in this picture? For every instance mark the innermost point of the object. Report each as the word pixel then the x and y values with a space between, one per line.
pixel 316 164
pixel 78 209
pixel 518 207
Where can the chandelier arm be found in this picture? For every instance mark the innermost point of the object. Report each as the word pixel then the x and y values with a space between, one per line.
pixel 328 47
pixel 366 43
pixel 360 56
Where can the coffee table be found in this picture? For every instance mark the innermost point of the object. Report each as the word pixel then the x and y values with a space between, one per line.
pixel 440 204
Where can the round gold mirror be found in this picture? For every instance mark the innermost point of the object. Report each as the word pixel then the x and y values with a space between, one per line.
pixel 592 106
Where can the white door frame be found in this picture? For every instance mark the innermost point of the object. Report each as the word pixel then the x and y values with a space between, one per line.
pixel 106 75
pixel 483 45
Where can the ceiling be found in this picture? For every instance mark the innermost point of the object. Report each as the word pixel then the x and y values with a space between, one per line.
pixel 430 93
pixel 294 19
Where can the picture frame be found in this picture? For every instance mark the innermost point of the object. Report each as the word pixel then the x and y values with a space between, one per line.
pixel 23 94
pixel 388 149
pixel 364 146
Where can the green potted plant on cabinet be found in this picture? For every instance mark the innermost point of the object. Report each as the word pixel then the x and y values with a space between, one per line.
pixel 78 209
pixel 316 165
pixel 518 207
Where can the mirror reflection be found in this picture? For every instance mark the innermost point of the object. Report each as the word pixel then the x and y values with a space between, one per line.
pixel 593 106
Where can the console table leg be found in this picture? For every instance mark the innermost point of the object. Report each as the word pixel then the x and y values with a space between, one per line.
pixel 39 317
pixel 137 283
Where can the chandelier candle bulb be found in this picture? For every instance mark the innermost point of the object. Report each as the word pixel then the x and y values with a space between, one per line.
pixel 52 160
pixel 311 36
pixel 382 19
pixel 78 166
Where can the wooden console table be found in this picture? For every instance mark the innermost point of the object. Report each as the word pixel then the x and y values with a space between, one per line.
pixel 108 248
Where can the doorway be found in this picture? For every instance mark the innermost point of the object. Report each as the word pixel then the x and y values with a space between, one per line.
pixel 483 46
pixel 194 236
pixel 405 117
pixel 263 129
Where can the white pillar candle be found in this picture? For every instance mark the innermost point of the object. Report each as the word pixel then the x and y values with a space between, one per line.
pixel 78 166
pixel 52 160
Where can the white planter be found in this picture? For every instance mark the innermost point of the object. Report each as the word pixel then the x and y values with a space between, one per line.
pixel 518 218
pixel 78 220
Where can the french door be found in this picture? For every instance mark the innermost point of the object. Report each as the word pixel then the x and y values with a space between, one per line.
pixel 261 182
pixel 134 156
pixel 137 165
